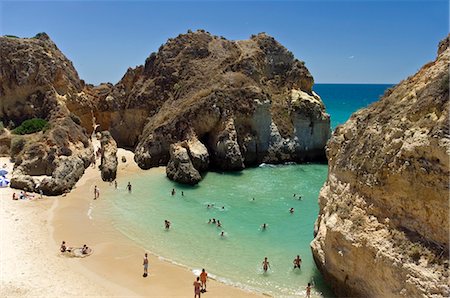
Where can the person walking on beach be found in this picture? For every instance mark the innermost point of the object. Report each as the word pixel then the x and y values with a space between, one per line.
pixel 203 278
pixel 145 263
pixel 129 187
pixel 197 287
pixel 115 184
pixel 297 262
pixel 96 192
pixel 265 264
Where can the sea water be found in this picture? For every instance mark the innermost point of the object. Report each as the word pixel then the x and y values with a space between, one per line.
pixel 242 201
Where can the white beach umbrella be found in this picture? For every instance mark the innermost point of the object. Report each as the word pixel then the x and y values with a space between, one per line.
pixel 4 182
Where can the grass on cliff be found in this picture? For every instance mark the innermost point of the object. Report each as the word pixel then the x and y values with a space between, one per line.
pixel 31 126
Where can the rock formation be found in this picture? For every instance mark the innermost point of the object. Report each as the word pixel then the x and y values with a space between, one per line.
pixel 38 81
pixel 246 101
pixel 231 104
pixel 108 166
pixel 383 227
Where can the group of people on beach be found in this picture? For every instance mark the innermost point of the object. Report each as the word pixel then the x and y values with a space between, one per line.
pixel 24 196
pixel 84 250
pixel 200 284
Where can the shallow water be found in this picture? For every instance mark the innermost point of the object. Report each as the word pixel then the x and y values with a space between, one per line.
pixel 235 258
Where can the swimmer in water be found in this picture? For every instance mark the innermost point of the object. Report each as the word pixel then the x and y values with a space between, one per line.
pixel 297 262
pixel 263 226
pixel 209 221
pixel 222 234
pixel 291 210
pixel 265 264
pixel 223 207
pixel 167 224
pixel 208 206
pixel 173 191
pixel 214 221
pixel 219 225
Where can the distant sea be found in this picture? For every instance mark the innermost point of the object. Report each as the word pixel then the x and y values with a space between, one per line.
pixel 242 201
pixel 341 100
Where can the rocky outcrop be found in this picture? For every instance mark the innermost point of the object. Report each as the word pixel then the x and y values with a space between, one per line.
pixel 180 167
pixel 108 166
pixel 38 81
pixel 239 103
pixel 246 101
pixel 383 225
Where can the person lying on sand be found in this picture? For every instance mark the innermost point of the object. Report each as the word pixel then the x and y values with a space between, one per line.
pixel 64 248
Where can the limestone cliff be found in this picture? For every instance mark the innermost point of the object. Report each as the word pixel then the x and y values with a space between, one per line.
pixel 38 81
pixel 383 227
pixel 231 104
pixel 246 101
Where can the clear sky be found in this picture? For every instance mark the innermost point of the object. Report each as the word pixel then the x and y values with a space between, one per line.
pixel 340 41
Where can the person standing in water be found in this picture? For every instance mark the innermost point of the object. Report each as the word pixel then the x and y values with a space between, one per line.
pixel 263 226
pixel 173 191
pixel 265 264
pixel 203 278
pixel 115 184
pixel 308 290
pixel 129 187
pixel 297 262
pixel 291 210
pixel 197 287
pixel 145 263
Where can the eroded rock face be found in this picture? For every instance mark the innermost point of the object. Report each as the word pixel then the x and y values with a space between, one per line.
pixel 108 166
pixel 180 167
pixel 38 81
pixel 383 225
pixel 239 103
pixel 232 95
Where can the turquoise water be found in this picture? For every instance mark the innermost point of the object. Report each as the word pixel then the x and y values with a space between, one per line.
pixel 341 100
pixel 236 258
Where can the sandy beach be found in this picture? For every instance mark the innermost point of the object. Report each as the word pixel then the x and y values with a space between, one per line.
pixel 31 264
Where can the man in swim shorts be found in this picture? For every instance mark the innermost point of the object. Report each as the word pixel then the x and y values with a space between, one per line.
pixel 297 262
pixel 145 263
pixel 265 264
pixel 203 277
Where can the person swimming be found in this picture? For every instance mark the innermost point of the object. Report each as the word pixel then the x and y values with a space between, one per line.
pixel 209 221
pixel 291 210
pixel 222 234
pixel 219 225
pixel 214 221
pixel 263 226
pixel 173 191
pixel 167 224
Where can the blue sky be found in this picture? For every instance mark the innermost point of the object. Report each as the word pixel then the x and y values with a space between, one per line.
pixel 340 41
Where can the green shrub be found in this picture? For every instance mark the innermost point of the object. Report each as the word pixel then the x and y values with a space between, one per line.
pixel 31 126
pixel 2 127
pixel 11 36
